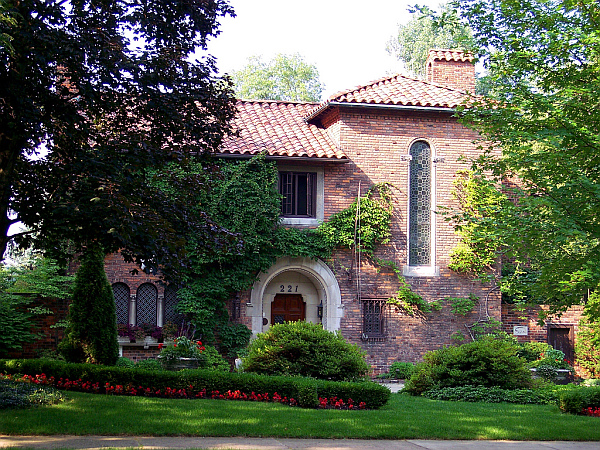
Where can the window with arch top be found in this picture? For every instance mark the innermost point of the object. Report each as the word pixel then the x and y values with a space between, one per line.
pixel 419 226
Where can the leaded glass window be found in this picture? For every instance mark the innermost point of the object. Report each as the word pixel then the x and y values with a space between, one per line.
pixel 170 312
pixel 146 304
pixel 373 317
pixel 419 232
pixel 121 294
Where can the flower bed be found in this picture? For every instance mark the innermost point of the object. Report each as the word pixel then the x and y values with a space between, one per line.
pixel 189 393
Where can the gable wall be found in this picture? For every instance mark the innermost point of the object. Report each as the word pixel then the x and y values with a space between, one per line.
pixel 376 143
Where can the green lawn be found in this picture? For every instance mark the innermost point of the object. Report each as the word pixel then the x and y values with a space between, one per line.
pixel 404 417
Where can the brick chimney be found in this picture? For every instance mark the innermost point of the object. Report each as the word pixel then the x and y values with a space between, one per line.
pixel 451 68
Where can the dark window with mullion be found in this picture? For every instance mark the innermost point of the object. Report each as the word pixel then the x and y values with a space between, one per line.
pixel 298 191
pixel 374 317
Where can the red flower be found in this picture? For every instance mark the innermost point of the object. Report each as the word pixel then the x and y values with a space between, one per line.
pixel 160 346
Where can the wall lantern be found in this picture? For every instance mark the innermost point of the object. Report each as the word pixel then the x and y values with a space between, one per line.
pixel 320 311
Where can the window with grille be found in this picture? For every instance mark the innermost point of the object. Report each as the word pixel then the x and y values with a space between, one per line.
pixel 298 191
pixel 146 304
pixel 121 294
pixel 170 312
pixel 374 317
pixel 419 241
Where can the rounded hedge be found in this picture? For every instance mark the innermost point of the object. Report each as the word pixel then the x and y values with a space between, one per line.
pixel 305 349
pixel 486 362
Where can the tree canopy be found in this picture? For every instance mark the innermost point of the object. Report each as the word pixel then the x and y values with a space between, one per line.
pixel 414 40
pixel 285 77
pixel 543 60
pixel 93 96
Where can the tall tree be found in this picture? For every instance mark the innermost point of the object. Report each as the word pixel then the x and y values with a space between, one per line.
pixel 92 96
pixel 285 77
pixel 543 58
pixel 420 34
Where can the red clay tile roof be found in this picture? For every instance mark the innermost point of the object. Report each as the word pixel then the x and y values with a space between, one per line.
pixel 450 55
pixel 279 129
pixel 397 90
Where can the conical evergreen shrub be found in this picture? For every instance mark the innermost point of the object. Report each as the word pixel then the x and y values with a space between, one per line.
pixel 91 335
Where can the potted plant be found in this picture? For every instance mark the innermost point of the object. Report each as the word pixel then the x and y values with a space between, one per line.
pixel 169 332
pixel 124 333
pixel 183 353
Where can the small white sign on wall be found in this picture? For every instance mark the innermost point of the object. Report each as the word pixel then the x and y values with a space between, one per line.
pixel 520 330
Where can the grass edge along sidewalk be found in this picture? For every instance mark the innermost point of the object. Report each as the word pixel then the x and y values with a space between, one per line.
pixel 403 417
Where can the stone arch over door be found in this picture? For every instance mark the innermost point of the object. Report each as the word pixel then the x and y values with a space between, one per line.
pixel 317 285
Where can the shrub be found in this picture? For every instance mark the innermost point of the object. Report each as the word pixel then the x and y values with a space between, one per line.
pixel 125 362
pixel 148 364
pixel 587 346
pixel 486 362
pixel 401 370
pixel 305 349
pixel 14 394
pixel 213 359
pixel 91 334
pixel 575 401
pixel 532 351
pixel 307 396
pixel 235 337
pixel 372 394
pixel 493 395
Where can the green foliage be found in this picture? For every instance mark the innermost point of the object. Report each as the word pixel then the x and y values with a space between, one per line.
pixel 245 201
pixel 148 364
pixel 419 35
pixel 587 346
pixel 235 337
pixel 91 334
pixel 307 393
pixel 486 362
pixel 305 349
pixel 125 362
pixel 576 400
pixel 462 305
pixel 183 347
pixel 213 360
pixel 285 77
pixel 480 241
pixel 373 394
pixel 539 130
pixel 532 351
pixel 493 395
pixel 370 224
pixel 406 299
pixel 401 370
pixel 15 394
pixel 19 287
pixel 78 79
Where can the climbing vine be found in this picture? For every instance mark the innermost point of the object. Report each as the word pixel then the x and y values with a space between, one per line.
pixel 479 202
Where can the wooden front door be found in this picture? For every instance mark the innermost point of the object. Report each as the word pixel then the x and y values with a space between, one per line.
pixel 560 339
pixel 287 308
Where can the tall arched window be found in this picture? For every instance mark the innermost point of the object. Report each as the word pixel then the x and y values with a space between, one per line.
pixel 121 294
pixel 419 228
pixel 146 304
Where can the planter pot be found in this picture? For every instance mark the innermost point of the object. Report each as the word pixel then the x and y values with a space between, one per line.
pixel 150 340
pixel 180 364
pixel 123 340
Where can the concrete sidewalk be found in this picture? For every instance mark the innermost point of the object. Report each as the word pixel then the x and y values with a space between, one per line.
pixel 147 442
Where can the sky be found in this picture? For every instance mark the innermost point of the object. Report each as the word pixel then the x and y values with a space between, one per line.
pixel 345 40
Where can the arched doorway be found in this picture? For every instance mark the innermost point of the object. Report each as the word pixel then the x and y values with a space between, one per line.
pixel 296 289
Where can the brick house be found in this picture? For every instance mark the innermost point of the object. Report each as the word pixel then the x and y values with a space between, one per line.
pixel 397 130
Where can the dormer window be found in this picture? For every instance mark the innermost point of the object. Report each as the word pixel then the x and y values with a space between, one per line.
pixel 299 194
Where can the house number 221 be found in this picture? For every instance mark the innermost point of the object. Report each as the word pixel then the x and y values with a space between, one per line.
pixel 290 288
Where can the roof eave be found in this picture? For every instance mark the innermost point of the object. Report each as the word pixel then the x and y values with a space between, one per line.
pixel 316 113
pixel 314 159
